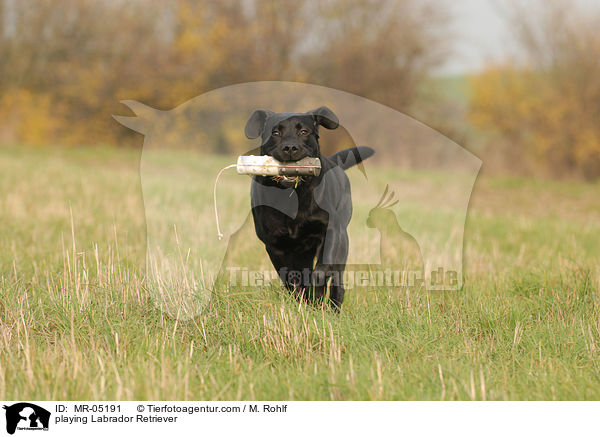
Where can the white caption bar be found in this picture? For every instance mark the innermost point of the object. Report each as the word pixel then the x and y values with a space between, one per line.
pixel 246 418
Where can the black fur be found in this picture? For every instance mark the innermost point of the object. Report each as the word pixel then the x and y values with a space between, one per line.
pixel 305 235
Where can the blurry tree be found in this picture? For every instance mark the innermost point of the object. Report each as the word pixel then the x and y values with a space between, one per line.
pixel 67 63
pixel 379 49
pixel 545 105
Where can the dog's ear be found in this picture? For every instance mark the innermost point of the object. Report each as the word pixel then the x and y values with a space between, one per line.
pixel 325 117
pixel 256 123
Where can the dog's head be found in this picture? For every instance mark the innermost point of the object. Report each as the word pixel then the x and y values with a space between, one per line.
pixel 290 136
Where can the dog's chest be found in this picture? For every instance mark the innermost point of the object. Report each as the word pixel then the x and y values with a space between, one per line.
pixel 307 225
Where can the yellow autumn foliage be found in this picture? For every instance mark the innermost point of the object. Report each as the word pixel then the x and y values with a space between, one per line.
pixel 61 78
pixel 540 117
pixel 544 106
pixel 28 116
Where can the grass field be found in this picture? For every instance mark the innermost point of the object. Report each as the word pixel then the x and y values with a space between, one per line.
pixel 76 321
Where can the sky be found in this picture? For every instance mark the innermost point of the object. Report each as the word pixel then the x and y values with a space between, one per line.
pixel 481 32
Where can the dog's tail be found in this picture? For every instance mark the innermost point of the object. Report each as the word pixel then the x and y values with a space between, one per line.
pixel 352 156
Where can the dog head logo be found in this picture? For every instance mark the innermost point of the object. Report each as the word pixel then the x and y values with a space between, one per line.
pixel 26 416
pixel 184 149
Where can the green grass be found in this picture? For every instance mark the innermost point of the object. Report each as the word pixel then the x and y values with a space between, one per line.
pixel 77 321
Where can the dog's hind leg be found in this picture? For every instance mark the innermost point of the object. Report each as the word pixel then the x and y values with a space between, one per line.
pixel 316 290
pixel 320 277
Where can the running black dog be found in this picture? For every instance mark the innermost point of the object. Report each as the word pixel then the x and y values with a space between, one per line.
pixel 302 220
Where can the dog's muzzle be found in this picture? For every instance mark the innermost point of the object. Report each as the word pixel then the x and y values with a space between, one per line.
pixel 289 152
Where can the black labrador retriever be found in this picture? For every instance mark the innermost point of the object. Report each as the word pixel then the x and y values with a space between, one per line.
pixel 302 220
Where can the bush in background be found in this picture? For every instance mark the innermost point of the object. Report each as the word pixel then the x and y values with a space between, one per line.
pixel 544 106
pixel 66 64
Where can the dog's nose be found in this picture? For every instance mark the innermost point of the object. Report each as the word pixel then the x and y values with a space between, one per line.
pixel 289 152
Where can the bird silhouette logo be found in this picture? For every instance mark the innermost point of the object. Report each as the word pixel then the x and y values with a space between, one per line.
pixel 398 249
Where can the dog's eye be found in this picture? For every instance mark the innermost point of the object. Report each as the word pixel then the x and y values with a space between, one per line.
pixel 304 132
pixel 275 133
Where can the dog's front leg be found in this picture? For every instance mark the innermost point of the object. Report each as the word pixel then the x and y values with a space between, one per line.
pixel 337 290
pixel 295 271
pixel 331 264
pixel 325 274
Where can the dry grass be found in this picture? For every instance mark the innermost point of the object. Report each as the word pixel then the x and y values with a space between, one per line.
pixel 77 320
